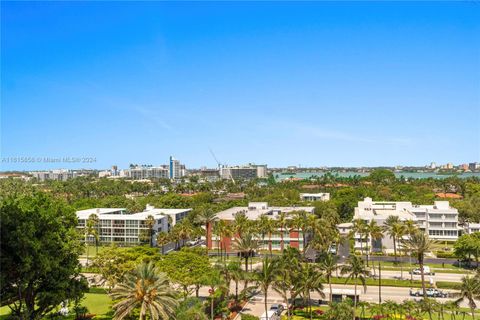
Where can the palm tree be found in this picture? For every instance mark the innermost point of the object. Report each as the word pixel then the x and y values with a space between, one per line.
pixel 236 274
pixel 241 224
pixel 309 279
pixel 150 222
pixel 395 229
pixel 419 243
pixel 266 276
pixel 359 227
pixel 300 222
pixel 184 230
pixel 91 230
pixel 216 284
pixel 191 309
pixel 288 267
pixel 206 217
pixel 163 239
pixel 328 265
pixel 410 228
pixel 225 231
pixel 374 232
pixel 246 245
pixel 470 290
pixel 263 226
pixel 282 222
pixel 146 289
pixel 269 228
pixel 355 269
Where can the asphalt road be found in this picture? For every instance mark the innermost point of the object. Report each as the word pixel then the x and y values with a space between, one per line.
pixel 256 305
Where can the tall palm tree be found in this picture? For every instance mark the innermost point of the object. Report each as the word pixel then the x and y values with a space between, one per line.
pixel 396 230
pixel 262 227
pixel 150 222
pixel 269 228
pixel 310 279
pixel 236 274
pixel 91 230
pixel 288 268
pixel 419 243
pixel 145 289
pixel 226 231
pixel 266 276
pixel 241 224
pixel 328 265
pixel 359 227
pixel 163 239
pixel 282 222
pixel 300 222
pixel 374 232
pixel 355 269
pixel 246 245
pixel 470 290
pixel 206 217
pixel 216 285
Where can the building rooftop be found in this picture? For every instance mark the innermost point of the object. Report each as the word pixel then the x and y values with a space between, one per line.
pixel 121 213
pixel 256 209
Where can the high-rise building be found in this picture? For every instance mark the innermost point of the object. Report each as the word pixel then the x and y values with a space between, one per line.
pixel 474 166
pixel 146 172
pixel 243 172
pixel 59 175
pixel 176 170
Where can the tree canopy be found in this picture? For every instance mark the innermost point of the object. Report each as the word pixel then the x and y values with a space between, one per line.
pixel 39 253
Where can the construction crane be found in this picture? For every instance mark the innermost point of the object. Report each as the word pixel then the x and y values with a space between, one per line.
pixel 219 164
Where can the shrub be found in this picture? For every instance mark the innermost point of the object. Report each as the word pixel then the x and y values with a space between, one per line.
pixel 444 254
pixel 249 317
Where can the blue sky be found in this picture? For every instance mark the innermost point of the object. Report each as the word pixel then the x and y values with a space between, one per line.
pixel 314 83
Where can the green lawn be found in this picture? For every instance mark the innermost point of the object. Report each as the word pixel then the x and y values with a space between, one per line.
pixel 92 251
pixel 396 283
pixel 98 303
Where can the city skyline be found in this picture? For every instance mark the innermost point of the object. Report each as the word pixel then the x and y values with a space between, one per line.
pixel 316 84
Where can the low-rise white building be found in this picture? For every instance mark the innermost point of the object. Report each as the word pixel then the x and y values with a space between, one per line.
pixel 116 225
pixel 254 211
pixel 439 221
pixel 314 196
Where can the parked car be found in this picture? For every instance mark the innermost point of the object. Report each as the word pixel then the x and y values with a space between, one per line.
pixel 269 315
pixel 431 293
pixel 426 270
pixel 278 308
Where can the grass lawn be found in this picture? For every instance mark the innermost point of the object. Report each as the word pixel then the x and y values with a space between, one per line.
pixel 92 251
pixel 97 303
pixel 396 283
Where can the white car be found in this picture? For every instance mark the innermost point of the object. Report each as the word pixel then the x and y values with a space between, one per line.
pixel 426 270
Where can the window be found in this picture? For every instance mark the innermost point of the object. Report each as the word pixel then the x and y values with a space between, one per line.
pixel 451 233
pixel 435 232
pixel 105 223
pixel 131 224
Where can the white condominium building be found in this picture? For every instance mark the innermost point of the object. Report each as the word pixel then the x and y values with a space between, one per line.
pixel 314 196
pixel 279 238
pixel 439 221
pixel 116 225
pixel 247 172
pixel 140 173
